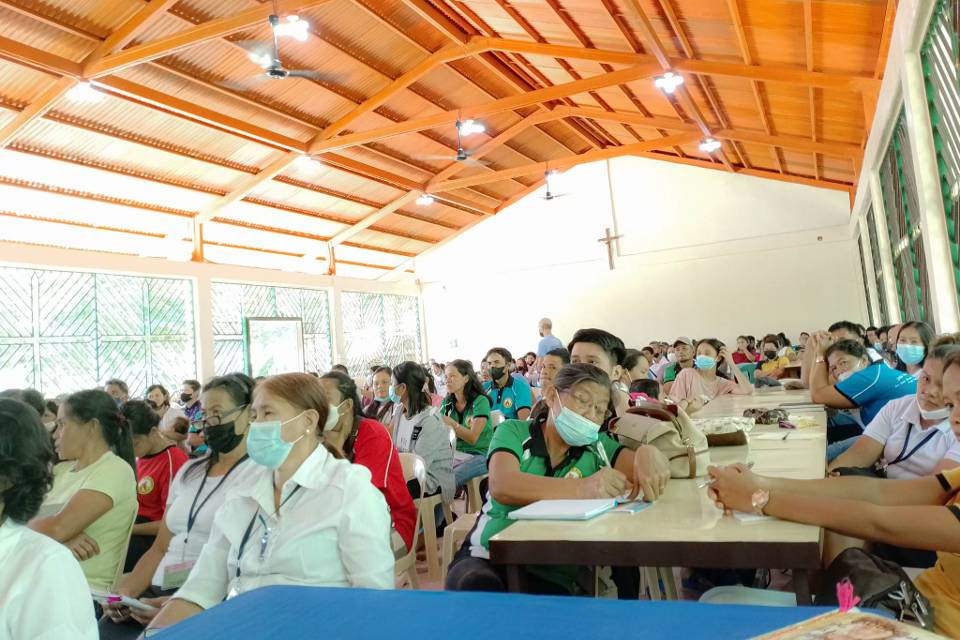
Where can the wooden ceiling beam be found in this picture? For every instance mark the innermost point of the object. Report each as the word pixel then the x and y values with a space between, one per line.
pixel 127 32
pixel 568 161
pixel 38 58
pixel 193 36
pixel 811 91
pixel 36 109
pixel 889 16
pixel 479 111
pixel 391 207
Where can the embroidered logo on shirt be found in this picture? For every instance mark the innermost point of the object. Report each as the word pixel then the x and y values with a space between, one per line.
pixel 574 473
pixel 507 403
pixel 145 486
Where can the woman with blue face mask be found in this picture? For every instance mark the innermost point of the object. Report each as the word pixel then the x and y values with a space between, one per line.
pixel 306 517
pixel 913 343
pixel 558 454
pixel 380 408
pixel 697 386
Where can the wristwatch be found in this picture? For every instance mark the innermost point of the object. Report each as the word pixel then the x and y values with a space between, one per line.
pixel 759 500
pixel 821 359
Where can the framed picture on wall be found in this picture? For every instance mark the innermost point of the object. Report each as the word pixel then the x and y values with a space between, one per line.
pixel 272 346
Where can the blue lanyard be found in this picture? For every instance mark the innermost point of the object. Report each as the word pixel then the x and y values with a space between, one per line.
pixel 906 443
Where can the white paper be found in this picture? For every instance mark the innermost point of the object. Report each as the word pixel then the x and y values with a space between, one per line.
pixel 793 435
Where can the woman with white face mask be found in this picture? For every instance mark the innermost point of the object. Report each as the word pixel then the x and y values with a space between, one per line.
pixel 308 517
pixel 558 454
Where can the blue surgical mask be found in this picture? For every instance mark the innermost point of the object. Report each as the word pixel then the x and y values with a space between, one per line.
pixel 265 443
pixel 392 394
pixel 705 362
pixel 878 347
pixel 575 430
pixel 381 398
pixel 911 353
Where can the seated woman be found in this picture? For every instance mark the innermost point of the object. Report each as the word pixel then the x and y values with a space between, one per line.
pixel 382 407
pixel 466 410
pixel 92 504
pixel 744 354
pixel 772 365
pixel 922 513
pixel 913 344
pixel 367 442
pixel 49 417
pixel 196 494
pixel 418 429
pixel 911 436
pixel 158 461
pixel 159 400
pixel 635 367
pixel 550 365
pixel 44 594
pixel 558 454
pixel 861 384
pixel 697 386
pixel 304 517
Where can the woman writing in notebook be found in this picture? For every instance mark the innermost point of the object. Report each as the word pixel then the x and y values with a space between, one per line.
pixel 558 454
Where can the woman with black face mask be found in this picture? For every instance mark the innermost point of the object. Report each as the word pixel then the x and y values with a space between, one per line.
pixel 195 496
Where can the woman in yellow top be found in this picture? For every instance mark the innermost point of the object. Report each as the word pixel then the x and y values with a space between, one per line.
pixel 923 513
pixel 772 365
pixel 93 502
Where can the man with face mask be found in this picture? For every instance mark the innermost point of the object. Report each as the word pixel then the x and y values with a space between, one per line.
pixel 509 394
pixel 190 401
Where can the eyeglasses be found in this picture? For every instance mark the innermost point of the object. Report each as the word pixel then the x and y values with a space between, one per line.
pixel 216 420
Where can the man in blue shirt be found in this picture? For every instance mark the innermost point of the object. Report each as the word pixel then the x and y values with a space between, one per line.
pixel 548 341
pixel 508 394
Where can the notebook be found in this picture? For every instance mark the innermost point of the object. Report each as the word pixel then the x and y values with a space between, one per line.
pixel 564 509
pixel 852 624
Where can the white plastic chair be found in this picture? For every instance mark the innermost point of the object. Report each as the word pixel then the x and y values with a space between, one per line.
pixel 453 537
pixel 413 468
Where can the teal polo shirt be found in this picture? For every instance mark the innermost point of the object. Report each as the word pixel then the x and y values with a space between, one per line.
pixel 511 398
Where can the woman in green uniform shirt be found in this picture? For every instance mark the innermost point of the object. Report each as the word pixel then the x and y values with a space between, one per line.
pixel 558 454
pixel 466 410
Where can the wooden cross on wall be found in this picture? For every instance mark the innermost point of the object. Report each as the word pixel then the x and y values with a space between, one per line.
pixel 608 240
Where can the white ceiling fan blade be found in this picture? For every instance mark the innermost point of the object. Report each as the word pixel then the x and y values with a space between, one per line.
pixel 315 75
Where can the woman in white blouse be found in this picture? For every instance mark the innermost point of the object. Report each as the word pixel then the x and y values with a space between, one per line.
pixel 306 517
pixel 43 593
pixel 196 494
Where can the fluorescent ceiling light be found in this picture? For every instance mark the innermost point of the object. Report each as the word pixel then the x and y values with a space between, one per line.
pixel 709 145
pixel 668 82
pixel 425 200
pixel 84 92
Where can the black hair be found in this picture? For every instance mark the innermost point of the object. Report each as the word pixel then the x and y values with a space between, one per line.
pixel 647 349
pixel 944 351
pixel 926 337
pixel 414 377
pixel 529 353
pixel 473 388
pixel 378 410
pixel 854 348
pixel 26 460
pixel 117 382
pixel 141 418
pixel 804 333
pixel 631 358
pixel 431 384
pixel 96 404
pixel 717 346
pixel 162 389
pixel 784 340
pixel 771 338
pixel 647 386
pixel 611 344
pixel 342 368
pixel 569 377
pixel 51 406
pixel 852 327
pixel 348 390
pixel 30 397
pixel 193 384
pixel 872 328
pixel 561 353
pixel 239 386
pixel 502 352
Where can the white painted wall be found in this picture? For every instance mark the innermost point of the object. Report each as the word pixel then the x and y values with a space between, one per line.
pixel 703 253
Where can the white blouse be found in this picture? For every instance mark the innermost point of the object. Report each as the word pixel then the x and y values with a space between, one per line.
pixel 203 495
pixel 332 530
pixel 43 593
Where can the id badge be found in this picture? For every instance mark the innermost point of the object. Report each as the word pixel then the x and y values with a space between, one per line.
pixel 174 575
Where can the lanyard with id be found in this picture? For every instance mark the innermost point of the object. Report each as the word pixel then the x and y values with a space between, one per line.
pixel 174 575
pixel 265 538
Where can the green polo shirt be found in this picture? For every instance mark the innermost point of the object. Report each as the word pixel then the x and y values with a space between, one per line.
pixel 525 440
pixel 479 409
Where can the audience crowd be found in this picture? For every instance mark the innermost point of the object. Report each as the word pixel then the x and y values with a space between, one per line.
pixel 235 484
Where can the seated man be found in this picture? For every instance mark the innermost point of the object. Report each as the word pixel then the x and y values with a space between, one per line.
pixel 510 395
pixel 684 349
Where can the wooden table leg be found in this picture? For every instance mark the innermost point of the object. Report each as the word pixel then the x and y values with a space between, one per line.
pixel 801 586
pixel 516 578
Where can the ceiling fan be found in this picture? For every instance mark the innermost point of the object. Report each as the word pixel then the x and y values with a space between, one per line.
pixel 267 53
pixel 549 177
pixel 464 128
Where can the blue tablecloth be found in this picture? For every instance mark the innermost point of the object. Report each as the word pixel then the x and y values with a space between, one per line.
pixel 333 614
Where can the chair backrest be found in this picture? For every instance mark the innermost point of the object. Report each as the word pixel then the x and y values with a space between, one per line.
pixel 413 467
pixel 749 369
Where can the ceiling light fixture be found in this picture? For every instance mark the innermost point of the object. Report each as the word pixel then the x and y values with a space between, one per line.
pixel 425 200
pixel 709 145
pixel 468 127
pixel 293 26
pixel 308 162
pixel 84 92
pixel 668 82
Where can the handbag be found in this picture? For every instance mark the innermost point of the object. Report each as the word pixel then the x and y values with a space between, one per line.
pixel 670 430
pixel 879 584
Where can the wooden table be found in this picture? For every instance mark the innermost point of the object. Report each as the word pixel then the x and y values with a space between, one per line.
pixel 684 528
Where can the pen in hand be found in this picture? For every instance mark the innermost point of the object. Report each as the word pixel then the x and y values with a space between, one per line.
pixel 703 484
